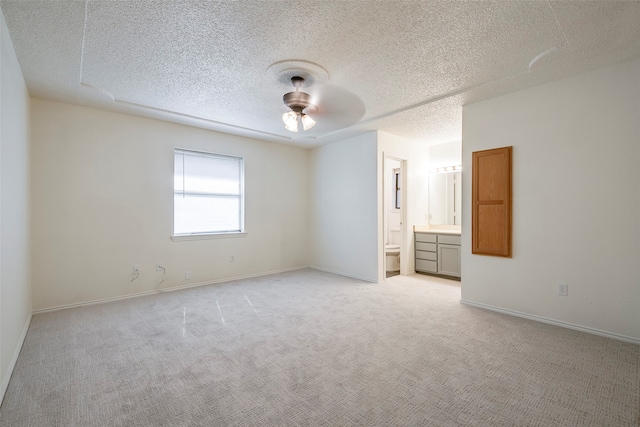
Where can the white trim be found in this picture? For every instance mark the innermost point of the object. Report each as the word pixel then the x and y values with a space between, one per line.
pixel 161 290
pixel 206 236
pixel 340 273
pixel 93 302
pixel 230 279
pixel 14 359
pixel 554 322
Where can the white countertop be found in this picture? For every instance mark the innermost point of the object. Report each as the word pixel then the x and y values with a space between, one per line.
pixel 437 230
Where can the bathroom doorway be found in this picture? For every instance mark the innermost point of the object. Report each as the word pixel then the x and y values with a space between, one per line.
pixel 394 201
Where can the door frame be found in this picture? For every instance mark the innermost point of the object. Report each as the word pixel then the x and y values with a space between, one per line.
pixel 404 252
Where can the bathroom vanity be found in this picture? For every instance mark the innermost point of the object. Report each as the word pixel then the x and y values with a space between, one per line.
pixel 438 252
pixel 437 244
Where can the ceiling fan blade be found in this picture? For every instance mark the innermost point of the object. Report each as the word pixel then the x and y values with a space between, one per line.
pixel 337 108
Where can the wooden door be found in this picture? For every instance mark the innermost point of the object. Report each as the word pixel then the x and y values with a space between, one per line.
pixel 491 202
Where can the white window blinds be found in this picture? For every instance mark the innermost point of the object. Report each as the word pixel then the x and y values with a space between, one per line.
pixel 207 193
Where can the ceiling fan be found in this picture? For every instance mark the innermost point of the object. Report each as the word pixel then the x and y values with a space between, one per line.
pixel 333 106
pixel 301 107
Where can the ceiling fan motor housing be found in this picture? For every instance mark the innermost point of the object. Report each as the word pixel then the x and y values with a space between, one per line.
pixel 299 101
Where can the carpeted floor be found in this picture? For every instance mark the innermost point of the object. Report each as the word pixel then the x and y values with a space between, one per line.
pixel 311 348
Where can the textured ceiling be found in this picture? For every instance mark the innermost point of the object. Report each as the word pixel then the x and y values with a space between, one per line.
pixel 404 67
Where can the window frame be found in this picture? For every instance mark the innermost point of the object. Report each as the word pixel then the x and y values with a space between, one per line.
pixel 397 197
pixel 209 234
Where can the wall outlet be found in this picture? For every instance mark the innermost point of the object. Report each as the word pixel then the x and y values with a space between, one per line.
pixel 232 258
pixel 136 270
pixel 187 275
pixel 563 289
pixel 160 266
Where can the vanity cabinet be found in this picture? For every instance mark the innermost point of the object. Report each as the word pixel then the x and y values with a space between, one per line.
pixel 437 253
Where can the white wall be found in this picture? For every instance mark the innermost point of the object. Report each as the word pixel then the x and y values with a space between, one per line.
pixel 15 286
pixel 344 207
pixel 103 201
pixel 576 200
pixel 416 155
pixel 448 154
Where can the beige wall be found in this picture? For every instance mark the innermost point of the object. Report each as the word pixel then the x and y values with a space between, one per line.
pixel 103 201
pixel 347 221
pixel 343 207
pixel 576 201
pixel 15 286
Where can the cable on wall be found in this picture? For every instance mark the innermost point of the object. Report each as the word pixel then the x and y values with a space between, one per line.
pixel 164 273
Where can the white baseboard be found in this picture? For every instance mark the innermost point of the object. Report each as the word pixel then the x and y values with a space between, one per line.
pixel 14 359
pixel 95 301
pixel 170 289
pixel 247 276
pixel 553 322
pixel 340 273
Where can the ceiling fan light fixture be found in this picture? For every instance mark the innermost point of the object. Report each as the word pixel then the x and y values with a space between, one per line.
pixel 307 122
pixel 298 102
pixel 290 120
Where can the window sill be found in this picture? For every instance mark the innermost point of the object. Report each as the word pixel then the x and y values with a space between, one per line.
pixel 207 236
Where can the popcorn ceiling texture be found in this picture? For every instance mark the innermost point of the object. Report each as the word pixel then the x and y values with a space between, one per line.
pixel 312 348
pixel 386 59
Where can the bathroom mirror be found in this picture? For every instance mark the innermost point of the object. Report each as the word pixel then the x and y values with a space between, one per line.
pixel 445 198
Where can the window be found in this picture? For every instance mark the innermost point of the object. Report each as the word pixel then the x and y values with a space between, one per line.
pixel 398 194
pixel 207 193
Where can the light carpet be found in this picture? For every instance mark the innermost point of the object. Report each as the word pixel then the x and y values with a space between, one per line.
pixel 308 348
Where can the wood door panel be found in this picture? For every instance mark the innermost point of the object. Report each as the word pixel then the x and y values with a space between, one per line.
pixel 491 202
pixel 489 184
pixel 491 228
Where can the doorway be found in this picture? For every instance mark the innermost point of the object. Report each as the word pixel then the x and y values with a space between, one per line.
pixel 394 215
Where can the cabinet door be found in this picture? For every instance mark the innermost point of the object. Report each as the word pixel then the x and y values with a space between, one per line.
pixel 449 260
pixel 491 202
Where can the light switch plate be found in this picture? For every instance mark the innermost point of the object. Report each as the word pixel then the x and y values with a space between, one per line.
pixel 563 289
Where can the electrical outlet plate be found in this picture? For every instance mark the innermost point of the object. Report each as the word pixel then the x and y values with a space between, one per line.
pixel 136 269
pixel 187 275
pixel 563 289
pixel 159 266
pixel 232 258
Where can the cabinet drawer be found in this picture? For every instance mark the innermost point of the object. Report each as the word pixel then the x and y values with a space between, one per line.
pixel 449 239
pixel 431 256
pixel 421 246
pixel 424 265
pixel 424 237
